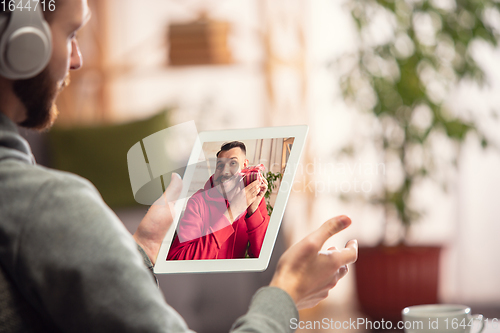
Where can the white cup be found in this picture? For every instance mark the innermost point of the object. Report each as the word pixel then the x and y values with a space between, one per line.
pixel 441 318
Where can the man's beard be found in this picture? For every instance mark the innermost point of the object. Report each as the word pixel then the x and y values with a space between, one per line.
pixel 38 96
pixel 228 184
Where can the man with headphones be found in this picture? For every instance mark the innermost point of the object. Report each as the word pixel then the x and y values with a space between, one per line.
pixel 67 264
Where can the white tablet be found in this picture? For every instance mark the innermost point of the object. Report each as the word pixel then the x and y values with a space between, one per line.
pixel 222 223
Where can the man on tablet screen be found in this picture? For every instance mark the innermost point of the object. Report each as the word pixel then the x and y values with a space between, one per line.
pixel 225 219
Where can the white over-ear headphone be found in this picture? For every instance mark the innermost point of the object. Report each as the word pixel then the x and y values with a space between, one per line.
pixel 25 43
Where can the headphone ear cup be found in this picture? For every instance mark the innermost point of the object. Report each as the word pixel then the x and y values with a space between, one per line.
pixel 25 45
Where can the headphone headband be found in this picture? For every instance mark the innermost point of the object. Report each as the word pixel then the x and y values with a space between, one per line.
pixel 25 43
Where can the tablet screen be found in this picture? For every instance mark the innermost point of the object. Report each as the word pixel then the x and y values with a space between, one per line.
pixel 215 222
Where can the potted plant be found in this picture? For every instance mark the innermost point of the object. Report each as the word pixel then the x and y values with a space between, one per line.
pixel 401 83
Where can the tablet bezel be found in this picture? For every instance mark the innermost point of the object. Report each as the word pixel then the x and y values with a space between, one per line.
pixel 299 134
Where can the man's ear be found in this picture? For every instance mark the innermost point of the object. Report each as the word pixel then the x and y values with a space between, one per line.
pixel 245 164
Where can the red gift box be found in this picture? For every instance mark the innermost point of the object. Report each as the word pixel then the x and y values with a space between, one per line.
pixel 252 173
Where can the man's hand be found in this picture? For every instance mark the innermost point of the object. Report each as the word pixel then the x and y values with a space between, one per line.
pixel 240 199
pixel 155 224
pixel 306 273
pixel 255 204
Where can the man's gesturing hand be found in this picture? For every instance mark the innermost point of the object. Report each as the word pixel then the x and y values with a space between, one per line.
pixel 306 273
pixel 155 224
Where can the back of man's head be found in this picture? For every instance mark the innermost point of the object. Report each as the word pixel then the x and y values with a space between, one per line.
pixel 35 65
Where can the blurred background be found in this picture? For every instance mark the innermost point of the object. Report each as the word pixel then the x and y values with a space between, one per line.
pixel 401 97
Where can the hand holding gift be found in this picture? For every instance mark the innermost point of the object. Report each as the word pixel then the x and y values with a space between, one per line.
pixel 254 174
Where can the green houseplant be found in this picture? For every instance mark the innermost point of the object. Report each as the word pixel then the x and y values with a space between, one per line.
pixel 400 81
pixel 273 180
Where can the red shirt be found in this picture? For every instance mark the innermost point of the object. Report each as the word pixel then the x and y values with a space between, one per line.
pixel 204 232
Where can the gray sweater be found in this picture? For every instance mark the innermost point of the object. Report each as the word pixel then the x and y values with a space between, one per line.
pixel 68 264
